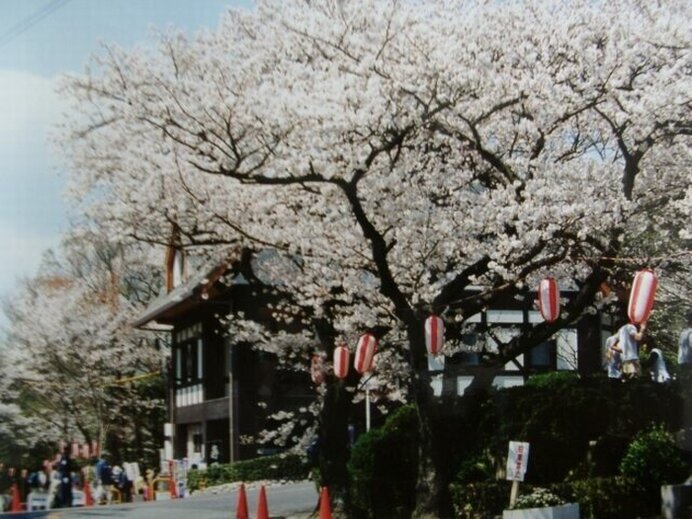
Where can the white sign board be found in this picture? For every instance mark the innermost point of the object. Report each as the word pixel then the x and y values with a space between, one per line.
pixel 517 460
pixel 38 501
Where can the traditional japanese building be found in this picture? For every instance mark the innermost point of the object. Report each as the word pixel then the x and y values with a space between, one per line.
pixel 220 391
pixel 576 348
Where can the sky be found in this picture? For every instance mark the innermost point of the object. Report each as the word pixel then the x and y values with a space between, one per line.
pixel 39 41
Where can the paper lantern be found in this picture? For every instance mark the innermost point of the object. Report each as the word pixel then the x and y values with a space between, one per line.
pixel 549 299
pixel 341 355
pixel 642 296
pixel 365 352
pixel 74 450
pixel 434 334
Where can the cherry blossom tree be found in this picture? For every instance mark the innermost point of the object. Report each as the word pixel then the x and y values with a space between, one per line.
pixel 405 152
pixel 73 351
pixel 13 426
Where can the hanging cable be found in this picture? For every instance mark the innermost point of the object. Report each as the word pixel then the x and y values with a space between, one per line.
pixel 31 20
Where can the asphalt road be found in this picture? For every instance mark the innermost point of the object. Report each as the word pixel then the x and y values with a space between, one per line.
pixel 292 499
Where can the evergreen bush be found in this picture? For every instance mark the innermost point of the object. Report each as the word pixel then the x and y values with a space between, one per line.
pixel 553 380
pixel 383 467
pixel 480 500
pixel 611 497
pixel 579 430
pixel 560 417
pixel 652 460
pixel 280 466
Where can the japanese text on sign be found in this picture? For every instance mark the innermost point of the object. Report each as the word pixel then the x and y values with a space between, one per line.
pixel 517 460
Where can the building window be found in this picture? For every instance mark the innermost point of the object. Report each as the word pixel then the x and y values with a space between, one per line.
pixel 468 359
pixel 542 356
pixel 200 370
pixel 189 353
pixel 178 366
pixel 190 358
pixel 197 443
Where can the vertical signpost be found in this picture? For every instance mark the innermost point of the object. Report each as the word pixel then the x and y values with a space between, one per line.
pixel 368 385
pixel 517 460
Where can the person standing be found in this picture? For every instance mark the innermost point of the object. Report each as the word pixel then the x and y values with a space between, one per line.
pixel 656 364
pixel 54 485
pixel 104 478
pixel 24 488
pixel 65 473
pixel 614 357
pixel 685 345
pixel 629 338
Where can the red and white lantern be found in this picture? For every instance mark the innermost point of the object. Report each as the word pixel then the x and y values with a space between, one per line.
pixel 434 334
pixel 85 451
pixel 341 355
pixel 365 353
pixel 549 299
pixel 74 451
pixel 642 296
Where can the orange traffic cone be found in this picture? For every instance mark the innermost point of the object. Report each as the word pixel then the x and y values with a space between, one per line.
pixel 172 486
pixel 241 510
pixel 325 509
pixel 262 510
pixel 88 496
pixel 16 499
pixel 173 489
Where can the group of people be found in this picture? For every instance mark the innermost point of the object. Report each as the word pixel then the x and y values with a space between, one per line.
pixel 623 354
pixel 55 479
pixel 59 478
pixel 108 478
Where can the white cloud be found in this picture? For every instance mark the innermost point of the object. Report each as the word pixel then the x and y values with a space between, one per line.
pixel 28 105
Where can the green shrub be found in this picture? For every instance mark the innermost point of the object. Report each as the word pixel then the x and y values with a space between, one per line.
pixel 480 500
pixel 553 380
pixel 560 415
pixel 606 498
pixel 281 466
pixel 652 460
pixel 196 479
pixel 476 469
pixel 383 467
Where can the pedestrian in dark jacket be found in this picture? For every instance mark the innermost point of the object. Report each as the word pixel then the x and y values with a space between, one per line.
pixel 65 472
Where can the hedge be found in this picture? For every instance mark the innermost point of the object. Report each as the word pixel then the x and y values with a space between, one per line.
pixel 581 432
pixel 282 466
pixel 560 417
pixel 599 498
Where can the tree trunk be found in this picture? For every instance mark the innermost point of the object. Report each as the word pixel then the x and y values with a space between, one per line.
pixel 433 499
pixel 429 485
pixel 334 446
